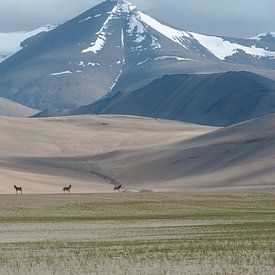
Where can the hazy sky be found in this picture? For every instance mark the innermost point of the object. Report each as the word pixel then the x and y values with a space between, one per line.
pixel 241 18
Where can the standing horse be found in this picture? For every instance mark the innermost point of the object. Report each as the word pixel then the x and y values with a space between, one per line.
pixel 17 189
pixel 118 187
pixel 67 189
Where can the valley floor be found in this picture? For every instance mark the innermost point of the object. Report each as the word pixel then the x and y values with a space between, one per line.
pixel 138 233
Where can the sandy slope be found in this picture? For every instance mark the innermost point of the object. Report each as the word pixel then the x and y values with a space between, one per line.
pixel 94 152
pixel 14 109
pixel 234 158
pixel 42 155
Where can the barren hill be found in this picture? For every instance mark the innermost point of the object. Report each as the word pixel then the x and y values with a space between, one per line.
pixel 32 151
pixel 95 152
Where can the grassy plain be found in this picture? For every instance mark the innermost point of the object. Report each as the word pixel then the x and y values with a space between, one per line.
pixel 138 233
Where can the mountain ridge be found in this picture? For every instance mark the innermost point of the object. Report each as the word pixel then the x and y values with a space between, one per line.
pixel 12 42
pixel 216 99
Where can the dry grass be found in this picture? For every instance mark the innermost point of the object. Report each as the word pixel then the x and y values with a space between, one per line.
pixel 138 234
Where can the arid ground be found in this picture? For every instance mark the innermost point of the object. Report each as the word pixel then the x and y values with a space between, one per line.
pixel 138 233
pixel 94 153
pixel 209 222
pixel 43 155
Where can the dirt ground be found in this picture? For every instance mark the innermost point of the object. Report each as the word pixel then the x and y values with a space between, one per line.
pixel 138 233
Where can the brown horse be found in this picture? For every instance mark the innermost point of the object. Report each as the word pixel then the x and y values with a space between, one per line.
pixel 67 189
pixel 17 189
pixel 118 187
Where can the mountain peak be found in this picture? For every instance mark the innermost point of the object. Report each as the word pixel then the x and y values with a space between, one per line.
pixel 123 5
pixel 126 6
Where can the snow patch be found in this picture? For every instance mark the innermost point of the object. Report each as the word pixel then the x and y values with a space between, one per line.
pixel 260 36
pixel 116 80
pixel 61 73
pixel 173 34
pixel 126 7
pixel 90 17
pixel 83 64
pixel 101 38
pixel 142 62
pixel 93 64
pixel 155 44
pixel 136 29
pixel 162 58
pixel 86 19
pixel 122 38
pixel 222 48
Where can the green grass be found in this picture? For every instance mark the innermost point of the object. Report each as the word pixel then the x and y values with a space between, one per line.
pixel 138 234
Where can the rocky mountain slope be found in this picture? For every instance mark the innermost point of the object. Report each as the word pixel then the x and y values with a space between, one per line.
pixel 216 99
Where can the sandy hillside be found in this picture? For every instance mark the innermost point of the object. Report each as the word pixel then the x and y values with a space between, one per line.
pixel 43 155
pixel 240 157
pixel 14 109
pixel 95 152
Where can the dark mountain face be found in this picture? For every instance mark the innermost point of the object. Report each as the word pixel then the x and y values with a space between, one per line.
pixel 217 99
pixel 51 70
pixel 113 47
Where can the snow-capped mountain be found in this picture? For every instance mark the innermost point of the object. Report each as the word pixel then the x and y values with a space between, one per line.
pixel 112 47
pixel 12 42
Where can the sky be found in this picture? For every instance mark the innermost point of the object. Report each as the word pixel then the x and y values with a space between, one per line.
pixel 236 18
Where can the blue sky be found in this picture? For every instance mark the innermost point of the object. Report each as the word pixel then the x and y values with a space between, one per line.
pixel 240 18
